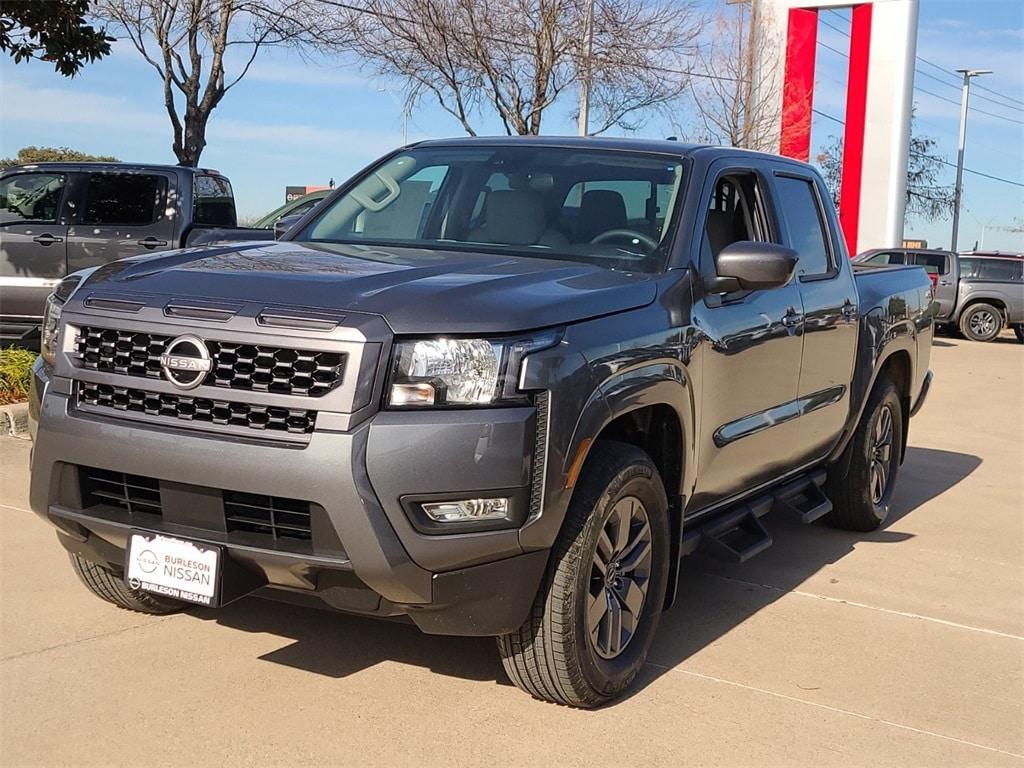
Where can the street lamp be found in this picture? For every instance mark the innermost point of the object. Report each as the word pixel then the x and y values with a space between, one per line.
pixel 958 189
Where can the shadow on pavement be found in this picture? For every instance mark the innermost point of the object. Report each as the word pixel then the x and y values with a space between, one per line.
pixel 709 605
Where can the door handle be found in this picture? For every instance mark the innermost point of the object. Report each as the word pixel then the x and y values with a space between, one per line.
pixel 47 239
pixel 792 318
pixel 945 282
pixel 151 242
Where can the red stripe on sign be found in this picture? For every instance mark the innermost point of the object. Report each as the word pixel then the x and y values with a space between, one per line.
pixel 853 138
pixel 798 87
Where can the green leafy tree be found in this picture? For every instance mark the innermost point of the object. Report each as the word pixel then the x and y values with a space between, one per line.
pixel 28 155
pixel 53 31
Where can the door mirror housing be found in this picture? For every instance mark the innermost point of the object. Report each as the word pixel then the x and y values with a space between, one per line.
pixel 282 225
pixel 750 266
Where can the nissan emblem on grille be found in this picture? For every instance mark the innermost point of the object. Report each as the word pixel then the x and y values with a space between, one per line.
pixel 186 361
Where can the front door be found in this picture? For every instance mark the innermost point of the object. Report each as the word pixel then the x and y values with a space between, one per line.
pixel 751 357
pixel 120 214
pixel 33 242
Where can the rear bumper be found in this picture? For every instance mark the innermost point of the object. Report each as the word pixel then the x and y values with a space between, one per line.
pixel 365 555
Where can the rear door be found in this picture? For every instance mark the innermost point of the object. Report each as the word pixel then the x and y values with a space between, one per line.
pixel 33 240
pixel 124 213
pixel 939 266
pixel 830 304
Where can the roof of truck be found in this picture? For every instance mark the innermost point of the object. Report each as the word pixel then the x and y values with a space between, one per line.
pixel 665 146
pixel 91 165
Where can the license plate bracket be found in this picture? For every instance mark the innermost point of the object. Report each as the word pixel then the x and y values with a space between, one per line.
pixel 175 568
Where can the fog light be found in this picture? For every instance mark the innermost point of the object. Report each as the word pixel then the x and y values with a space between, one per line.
pixel 467 509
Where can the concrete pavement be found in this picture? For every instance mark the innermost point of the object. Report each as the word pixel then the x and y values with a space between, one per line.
pixel 900 647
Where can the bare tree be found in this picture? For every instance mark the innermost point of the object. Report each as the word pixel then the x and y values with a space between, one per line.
pixel 926 197
pixel 733 105
pixel 517 58
pixel 187 42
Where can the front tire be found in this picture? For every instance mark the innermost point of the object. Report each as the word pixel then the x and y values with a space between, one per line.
pixel 114 589
pixel 861 500
pixel 596 613
pixel 981 322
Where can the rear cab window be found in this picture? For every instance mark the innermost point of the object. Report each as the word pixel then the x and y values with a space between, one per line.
pixel 213 201
pixel 933 263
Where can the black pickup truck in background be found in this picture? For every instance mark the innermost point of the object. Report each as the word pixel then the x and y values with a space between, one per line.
pixel 57 218
pixel 497 386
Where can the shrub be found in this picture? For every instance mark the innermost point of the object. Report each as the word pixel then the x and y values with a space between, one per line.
pixel 15 374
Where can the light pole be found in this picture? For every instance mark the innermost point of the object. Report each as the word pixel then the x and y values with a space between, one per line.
pixel 958 189
pixel 588 50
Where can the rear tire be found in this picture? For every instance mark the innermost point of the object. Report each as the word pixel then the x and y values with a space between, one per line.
pixel 114 589
pixel 862 499
pixel 981 322
pixel 596 613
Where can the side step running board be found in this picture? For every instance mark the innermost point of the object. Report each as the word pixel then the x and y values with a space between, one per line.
pixel 737 535
pixel 803 498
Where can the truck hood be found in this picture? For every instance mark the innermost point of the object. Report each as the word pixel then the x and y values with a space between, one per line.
pixel 415 290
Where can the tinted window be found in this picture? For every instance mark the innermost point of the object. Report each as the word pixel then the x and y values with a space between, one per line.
pixel 213 202
pixel 31 197
pixel 999 269
pixel 122 198
pixel 933 263
pixel 889 257
pixel 802 211
pixel 968 267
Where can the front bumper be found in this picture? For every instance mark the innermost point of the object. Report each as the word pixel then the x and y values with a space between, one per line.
pixel 365 554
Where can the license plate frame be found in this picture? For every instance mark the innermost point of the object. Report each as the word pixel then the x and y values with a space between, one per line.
pixel 175 568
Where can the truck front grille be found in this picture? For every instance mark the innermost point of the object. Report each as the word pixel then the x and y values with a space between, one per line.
pixel 271 515
pixel 196 409
pixel 131 493
pixel 253 367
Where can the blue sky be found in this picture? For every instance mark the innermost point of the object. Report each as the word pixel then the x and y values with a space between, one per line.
pixel 293 122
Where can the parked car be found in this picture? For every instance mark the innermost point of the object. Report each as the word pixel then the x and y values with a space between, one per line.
pixel 270 227
pixel 297 207
pixel 979 292
pixel 57 218
pixel 497 386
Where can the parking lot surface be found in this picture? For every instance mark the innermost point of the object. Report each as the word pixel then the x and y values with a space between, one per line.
pixel 900 647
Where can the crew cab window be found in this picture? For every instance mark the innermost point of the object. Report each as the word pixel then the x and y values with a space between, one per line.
pixel 213 202
pixel 734 214
pixel 127 199
pixel 933 263
pixel 887 257
pixel 31 197
pixel 802 210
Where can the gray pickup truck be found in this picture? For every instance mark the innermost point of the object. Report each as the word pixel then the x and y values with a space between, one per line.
pixel 57 218
pixel 979 293
pixel 495 386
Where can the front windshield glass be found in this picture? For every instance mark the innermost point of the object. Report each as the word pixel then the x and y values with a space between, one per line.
pixel 605 207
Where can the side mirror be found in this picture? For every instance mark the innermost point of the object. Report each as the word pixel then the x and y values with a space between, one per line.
pixel 285 223
pixel 750 266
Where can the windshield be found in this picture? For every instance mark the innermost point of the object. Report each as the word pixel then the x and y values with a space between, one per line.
pixel 605 207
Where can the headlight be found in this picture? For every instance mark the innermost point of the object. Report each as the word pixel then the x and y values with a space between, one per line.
pixel 460 372
pixel 51 313
pixel 51 326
